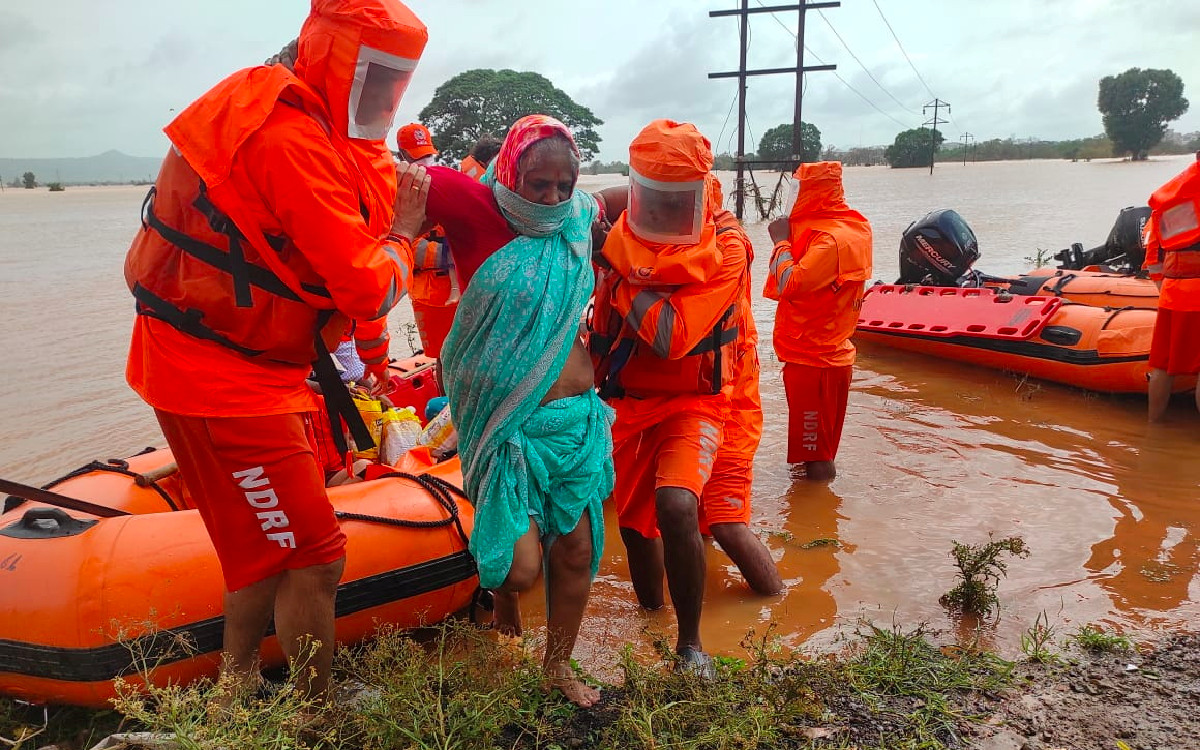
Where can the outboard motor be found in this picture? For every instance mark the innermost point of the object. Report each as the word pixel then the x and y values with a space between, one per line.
pixel 1123 250
pixel 937 250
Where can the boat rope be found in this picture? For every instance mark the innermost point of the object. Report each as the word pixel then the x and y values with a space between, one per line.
pixel 114 465
pixel 439 489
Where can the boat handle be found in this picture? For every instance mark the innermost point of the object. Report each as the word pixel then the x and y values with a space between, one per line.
pixel 33 515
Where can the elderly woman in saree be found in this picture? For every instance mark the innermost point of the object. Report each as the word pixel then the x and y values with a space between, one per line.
pixel 534 438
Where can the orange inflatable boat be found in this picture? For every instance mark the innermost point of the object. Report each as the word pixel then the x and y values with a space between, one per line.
pixel 87 597
pixel 1046 337
pixel 1087 287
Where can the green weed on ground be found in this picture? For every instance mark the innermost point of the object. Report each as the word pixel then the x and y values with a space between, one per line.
pixel 466 689
pixel 1093 638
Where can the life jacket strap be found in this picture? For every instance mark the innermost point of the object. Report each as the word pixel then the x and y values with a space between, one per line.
pixel 188 321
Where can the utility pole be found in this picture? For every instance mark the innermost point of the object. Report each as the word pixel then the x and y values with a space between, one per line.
pixel 743 13
pixel 935 105
pixel 965 137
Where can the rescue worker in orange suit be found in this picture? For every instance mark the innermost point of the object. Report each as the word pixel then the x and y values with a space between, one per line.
pixel 725 504
pixel 435 290
pixel 277 217
pixel 482 153
pixel 667 328
pixel 1172 242
pixel 819 268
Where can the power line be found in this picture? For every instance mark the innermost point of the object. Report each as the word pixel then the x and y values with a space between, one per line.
pixel 728 114
pixel 864 67
pixel 901 46
pixel 836 75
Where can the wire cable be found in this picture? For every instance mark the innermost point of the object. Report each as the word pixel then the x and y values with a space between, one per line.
pixel 864 67
pixel 843 81
pixel 901 46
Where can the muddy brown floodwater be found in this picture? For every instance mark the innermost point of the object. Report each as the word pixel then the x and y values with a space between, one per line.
pixel 933 451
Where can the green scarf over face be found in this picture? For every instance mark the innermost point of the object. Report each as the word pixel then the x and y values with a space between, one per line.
pixel 512 333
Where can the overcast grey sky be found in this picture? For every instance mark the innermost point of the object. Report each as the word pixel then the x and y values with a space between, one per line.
pixel 79 77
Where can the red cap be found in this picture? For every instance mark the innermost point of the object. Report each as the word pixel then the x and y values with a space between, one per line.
pixel 414 139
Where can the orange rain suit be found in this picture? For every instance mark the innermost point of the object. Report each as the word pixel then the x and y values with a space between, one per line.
pixel 435 291
pixel 667 328
pixel 1173 259
pixel 818 276
pixel 472 167
pixel 267 225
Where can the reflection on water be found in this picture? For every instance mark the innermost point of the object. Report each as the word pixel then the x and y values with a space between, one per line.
pixel 933 452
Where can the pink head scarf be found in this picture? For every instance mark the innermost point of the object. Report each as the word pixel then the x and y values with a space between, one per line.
pixel 524 133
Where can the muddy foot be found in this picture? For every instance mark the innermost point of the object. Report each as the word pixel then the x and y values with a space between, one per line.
pixel 506 616
pixel 562 678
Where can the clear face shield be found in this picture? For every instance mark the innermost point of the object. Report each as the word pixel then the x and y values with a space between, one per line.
pixel 668 212
pixel 379 81
pixel 793 195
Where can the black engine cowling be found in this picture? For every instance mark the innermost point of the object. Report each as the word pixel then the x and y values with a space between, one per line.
pixel 937 250
pixel 1123 250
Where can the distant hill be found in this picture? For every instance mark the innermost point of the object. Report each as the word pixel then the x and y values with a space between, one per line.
pixel 111 166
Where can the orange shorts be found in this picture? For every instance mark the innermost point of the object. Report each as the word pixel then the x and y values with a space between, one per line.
pixel 260 491
pixel 1176 343
pixel 662 442
pixel 433 325
pixel 816 399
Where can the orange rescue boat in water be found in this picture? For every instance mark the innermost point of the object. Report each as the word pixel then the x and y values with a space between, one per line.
pixel 90 597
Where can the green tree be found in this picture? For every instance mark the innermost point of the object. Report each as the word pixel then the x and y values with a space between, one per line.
pixel 489 101
pixel 776 143
pixel 911 148
pixel 1136 107
pixel 30 180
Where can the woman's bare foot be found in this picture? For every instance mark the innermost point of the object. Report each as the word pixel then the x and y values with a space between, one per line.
pixel 506 615
pixel 562 678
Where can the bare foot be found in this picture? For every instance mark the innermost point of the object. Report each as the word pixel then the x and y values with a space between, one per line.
pixel 506 617
pixel 562 678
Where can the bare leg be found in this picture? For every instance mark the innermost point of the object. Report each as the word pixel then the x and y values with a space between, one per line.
pixel 683 557
pixel 750 555
pixel 247 614
pixel 304 622
pixel 820 471
pixel 526 565
pixel 1159 393
pixel 646 570
pixel 568 583
pixel 1197 396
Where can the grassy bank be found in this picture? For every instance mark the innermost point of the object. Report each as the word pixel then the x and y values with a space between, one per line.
pixel 467 689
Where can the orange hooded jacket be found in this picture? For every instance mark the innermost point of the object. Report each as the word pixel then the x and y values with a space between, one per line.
pixel 267 221
pixel 1175 260
pixel 818 275
pixel 470 166
pixel 667 318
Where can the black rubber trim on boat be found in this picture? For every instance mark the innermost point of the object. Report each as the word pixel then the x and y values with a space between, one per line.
pixel 1082 357
pixel 185 642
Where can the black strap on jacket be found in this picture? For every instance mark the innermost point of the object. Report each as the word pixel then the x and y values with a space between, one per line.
pixel 190 321
pixel 339 405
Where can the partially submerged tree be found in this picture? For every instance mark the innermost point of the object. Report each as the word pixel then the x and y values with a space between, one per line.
pixel 483 101
pixel 1136 107
pixel 912 148
pixel 776 143
pixel 30 180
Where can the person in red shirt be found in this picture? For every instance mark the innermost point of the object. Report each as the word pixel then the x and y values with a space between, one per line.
pixel 278 216
pixel 435 291
pixel 1172 242
pixel 819 268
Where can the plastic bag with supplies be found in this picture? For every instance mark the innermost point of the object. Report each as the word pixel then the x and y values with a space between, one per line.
pixel 401 433
pixel 440 435
pixel 371 410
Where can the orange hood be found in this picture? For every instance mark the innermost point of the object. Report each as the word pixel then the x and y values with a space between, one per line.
pixel 332 37
pixel 821 207
pixel 668 151
pixel 820 189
